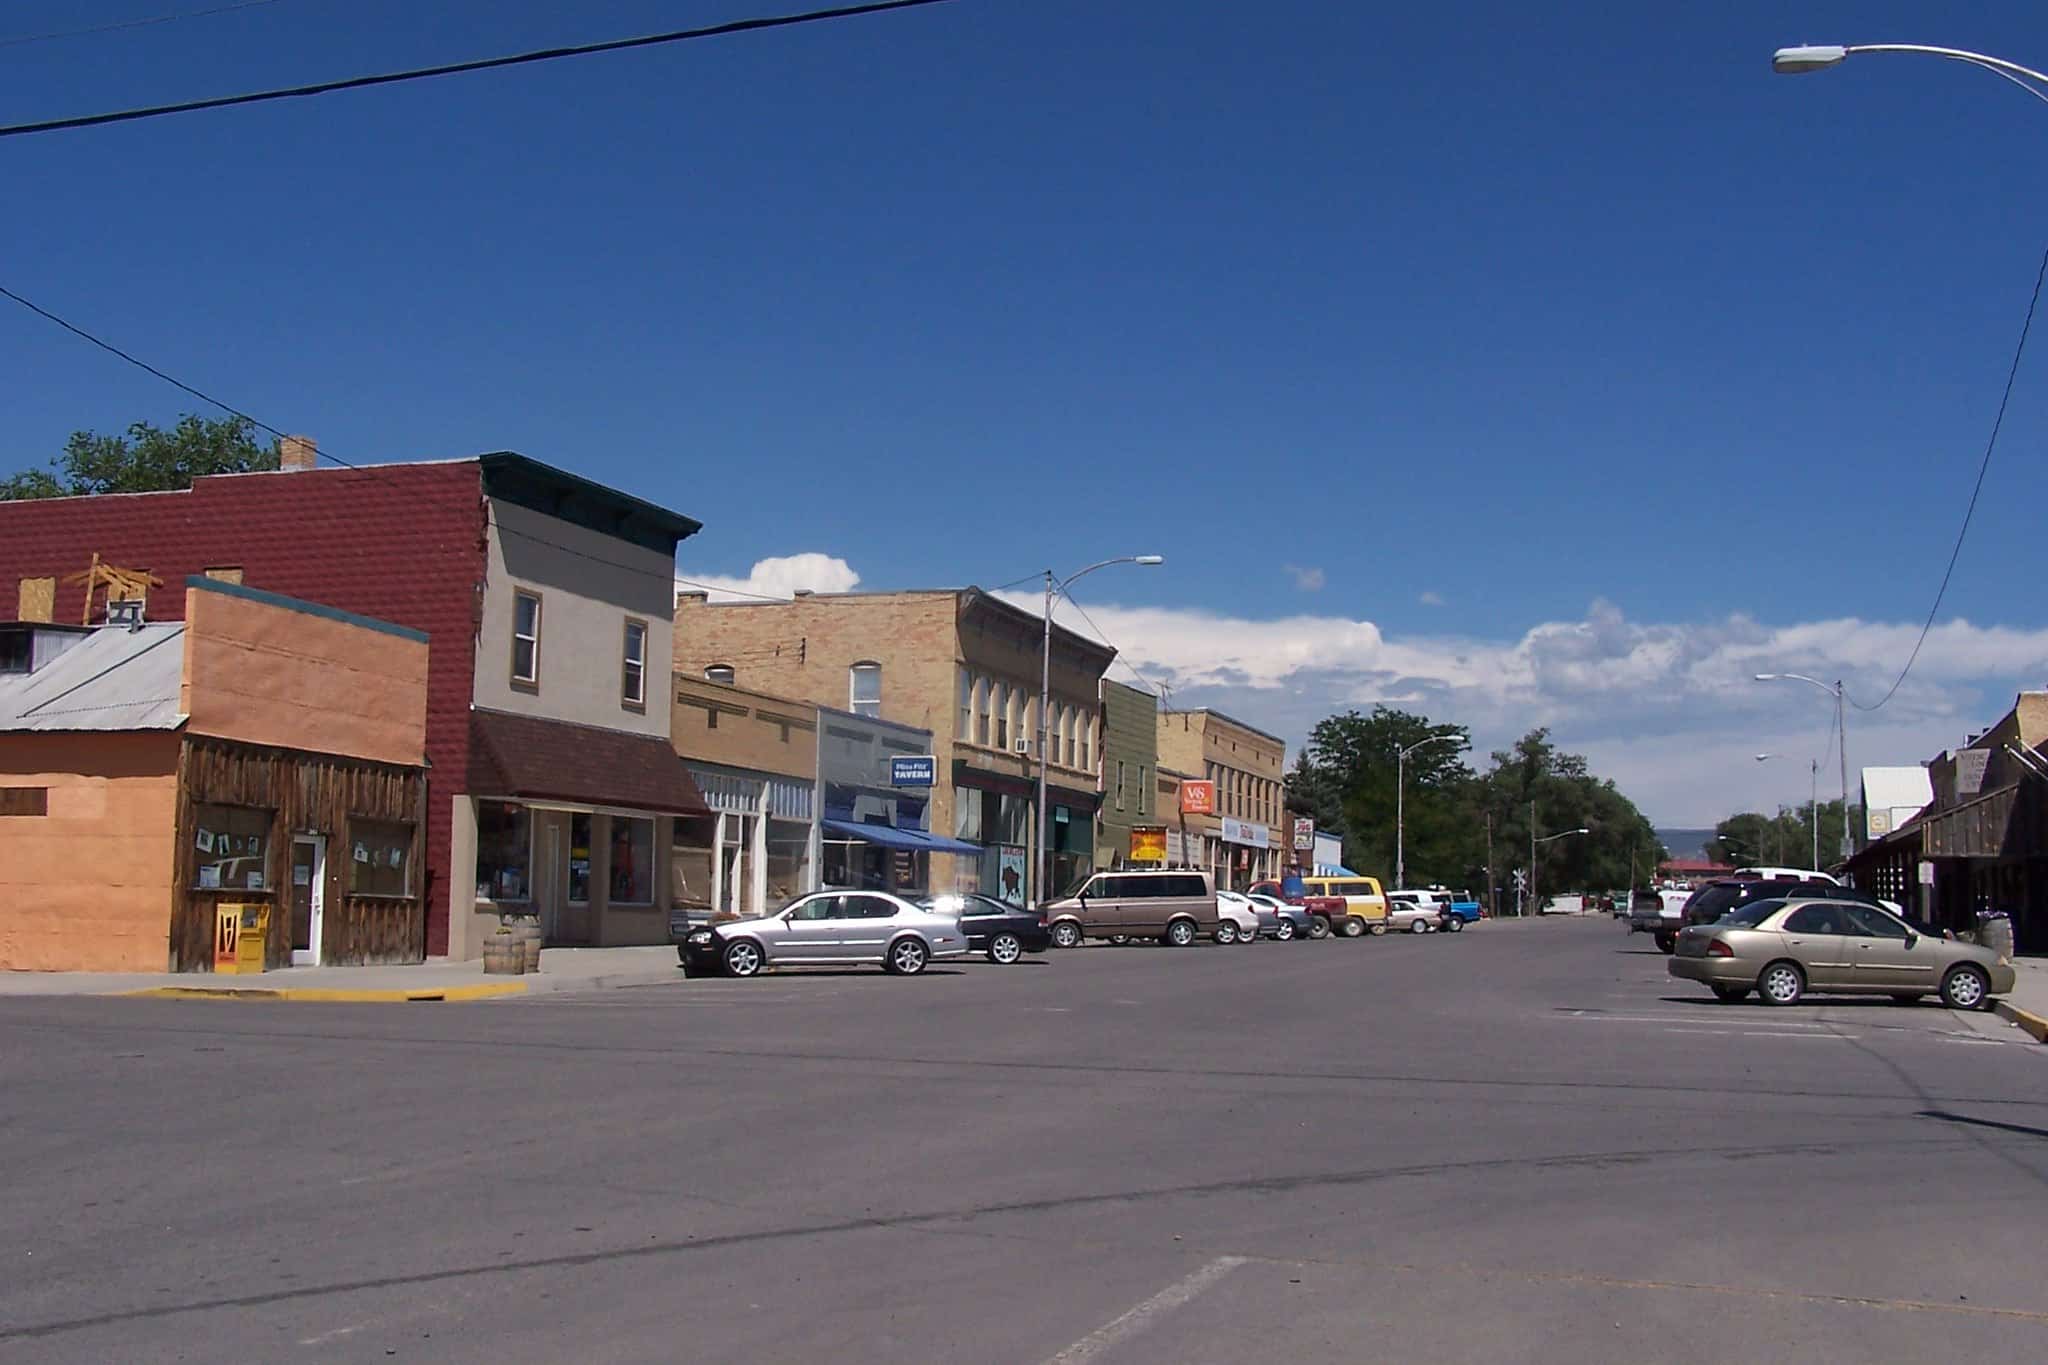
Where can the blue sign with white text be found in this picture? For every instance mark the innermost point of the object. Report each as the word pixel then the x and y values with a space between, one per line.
pixel 920 771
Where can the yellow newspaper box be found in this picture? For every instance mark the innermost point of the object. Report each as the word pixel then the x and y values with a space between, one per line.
pixel 240 930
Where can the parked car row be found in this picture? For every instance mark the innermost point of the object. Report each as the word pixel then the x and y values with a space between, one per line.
pixel 838 927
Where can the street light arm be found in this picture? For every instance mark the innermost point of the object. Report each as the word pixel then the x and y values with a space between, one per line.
pixel 1062 584
pixel 1799 60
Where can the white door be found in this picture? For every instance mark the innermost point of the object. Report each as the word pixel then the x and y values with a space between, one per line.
pixel 309 894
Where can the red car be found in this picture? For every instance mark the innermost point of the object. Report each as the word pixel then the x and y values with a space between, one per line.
pixel 1320 908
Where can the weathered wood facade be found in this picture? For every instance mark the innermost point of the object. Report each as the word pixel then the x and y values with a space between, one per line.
pixel 303 793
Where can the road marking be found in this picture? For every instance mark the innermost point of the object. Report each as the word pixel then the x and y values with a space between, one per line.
pixel 337 1334
pixel 1120 1329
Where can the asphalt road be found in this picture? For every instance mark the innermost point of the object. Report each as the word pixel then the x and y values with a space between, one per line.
pixel 1522 1143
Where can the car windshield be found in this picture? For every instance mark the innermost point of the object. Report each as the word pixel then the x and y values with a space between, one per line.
pixel 946 905
pixel 1751 915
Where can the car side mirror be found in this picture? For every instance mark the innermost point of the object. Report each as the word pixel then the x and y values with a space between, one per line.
pixel 1912 939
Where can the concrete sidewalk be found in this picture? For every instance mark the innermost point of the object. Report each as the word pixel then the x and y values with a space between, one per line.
pixel 2027 1006
pixel 561 969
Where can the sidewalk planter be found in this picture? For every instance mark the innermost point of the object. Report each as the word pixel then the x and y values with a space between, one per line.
pixel 526 928
pixel 504 954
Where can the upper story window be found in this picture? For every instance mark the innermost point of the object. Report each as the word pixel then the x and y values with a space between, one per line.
pixel 720 673
pixel 526 640
pixel 964 727
pixel 981 710
pixel 1001 708
pixel 864 689
pixel 633 667
pixel 17 650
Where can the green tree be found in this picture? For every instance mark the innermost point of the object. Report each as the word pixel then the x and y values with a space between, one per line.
pixel 1783 839
pixel 1351 759
pixel 146 460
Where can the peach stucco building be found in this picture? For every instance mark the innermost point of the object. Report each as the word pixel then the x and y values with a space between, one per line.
pixel 262 751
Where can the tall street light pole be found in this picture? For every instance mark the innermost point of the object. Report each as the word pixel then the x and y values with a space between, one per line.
pixel 1400 805
pixel 1546 839
pixel 1055 588
pixel 1842 744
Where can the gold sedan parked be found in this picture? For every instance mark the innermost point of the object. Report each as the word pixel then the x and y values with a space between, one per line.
pixel 1781 949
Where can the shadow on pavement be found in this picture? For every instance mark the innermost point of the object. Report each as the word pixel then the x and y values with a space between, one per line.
pixel 1984 1123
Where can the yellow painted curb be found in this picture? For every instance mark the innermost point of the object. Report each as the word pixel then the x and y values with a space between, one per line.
pixel 2033 1024
pixel 331 995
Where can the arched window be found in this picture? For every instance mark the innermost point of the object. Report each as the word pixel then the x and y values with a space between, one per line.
pixel 981 710
pixel 719 673
pixel 1067 720
pixel 964 727
pixel 1001 709
pixel 864 689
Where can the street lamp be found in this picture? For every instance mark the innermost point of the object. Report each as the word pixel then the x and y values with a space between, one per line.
pixel 1400 805
pixel 1795 61
pixel 1546 839
pixel 1842 734
pixel 1055 588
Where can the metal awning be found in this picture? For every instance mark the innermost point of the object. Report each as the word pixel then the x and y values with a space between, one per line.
pixel 904 840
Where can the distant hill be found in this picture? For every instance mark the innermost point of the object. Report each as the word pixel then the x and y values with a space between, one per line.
pixel 1685 843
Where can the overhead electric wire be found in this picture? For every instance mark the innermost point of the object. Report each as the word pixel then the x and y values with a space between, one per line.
pixel 146 21
pixel 1156 689
pixel 463 68
pixel 1983 467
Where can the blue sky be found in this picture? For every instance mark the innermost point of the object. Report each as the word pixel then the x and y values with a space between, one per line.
pixel 1583 360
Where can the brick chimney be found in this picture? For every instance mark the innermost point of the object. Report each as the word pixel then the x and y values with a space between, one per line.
pixel 295 453
pixel 692 599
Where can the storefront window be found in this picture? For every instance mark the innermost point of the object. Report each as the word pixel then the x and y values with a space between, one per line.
pixel 632 880
pixel 504 848
pixel 579 859
pixel 380 858
pixel 233 844
pixel 690 863
pixel 789 859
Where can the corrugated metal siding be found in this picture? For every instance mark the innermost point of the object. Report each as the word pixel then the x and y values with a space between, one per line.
pixel 740 793
pixel 113 679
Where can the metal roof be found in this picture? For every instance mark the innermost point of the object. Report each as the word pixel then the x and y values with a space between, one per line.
pixel 118 679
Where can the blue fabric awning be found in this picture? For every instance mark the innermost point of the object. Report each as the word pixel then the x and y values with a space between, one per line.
pixel 907 840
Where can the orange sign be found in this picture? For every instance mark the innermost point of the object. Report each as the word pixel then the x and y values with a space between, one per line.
pixel 1148 844
pixel 1198 798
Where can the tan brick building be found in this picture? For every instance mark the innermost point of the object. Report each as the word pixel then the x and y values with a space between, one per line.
pixel 959 663
pixel 754 757
pixel 1242 842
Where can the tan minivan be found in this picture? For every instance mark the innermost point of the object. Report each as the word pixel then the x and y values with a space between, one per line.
pixel 1365 903
pixel 1174 907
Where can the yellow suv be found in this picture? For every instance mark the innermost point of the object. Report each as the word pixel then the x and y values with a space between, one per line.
pixel 1365 903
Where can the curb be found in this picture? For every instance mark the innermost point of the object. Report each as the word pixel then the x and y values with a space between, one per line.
pixel 331 995
pixel 2033 1024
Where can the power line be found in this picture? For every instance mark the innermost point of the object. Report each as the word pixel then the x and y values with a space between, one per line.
pixel 1983 468
pixel 463 68
pixel 1156 689
pixel 117 25
pixel 736 592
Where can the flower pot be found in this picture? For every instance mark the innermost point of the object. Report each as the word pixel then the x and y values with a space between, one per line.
pixel 503 955
pixel 527 930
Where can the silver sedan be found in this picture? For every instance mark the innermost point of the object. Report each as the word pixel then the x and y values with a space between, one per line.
pixel 828 929
pixel 1783 949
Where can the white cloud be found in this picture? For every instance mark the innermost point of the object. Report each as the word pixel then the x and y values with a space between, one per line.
pixel 1669 710
pixel 1431 599
pixel 777 577
pixel 1307 579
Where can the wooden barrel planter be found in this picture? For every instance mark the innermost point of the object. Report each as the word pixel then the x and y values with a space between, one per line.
pixel 527 930
pixel 504 955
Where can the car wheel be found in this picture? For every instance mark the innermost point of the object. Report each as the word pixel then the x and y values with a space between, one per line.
pixel 1666 943
pixel 1319 927
pixel 1067 934
pixel 1965 987
pixel 1379 927
pixel 1181 933
pixel 1418 926
pixel 1005 948
pixel 1284 930
pixel 1728 995
pixel 1353 926
pixel 742 958
pixel 1248 936
pixel 1455 924
pixel 1119 940
pixel 1781 983
pixel 907 956
pixel 1226 932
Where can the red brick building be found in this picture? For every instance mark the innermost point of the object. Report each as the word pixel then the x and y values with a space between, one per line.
pixel 546 600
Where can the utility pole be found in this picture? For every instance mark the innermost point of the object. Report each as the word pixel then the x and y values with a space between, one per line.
pixel 1532 853
pixel 1492 899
